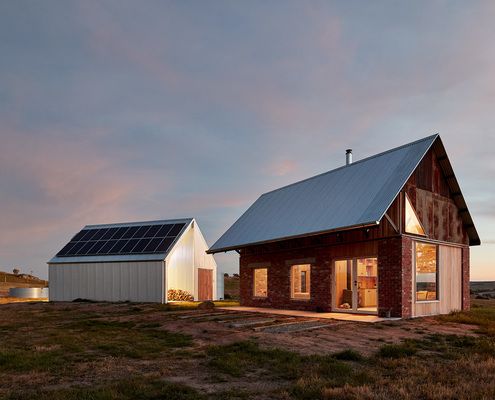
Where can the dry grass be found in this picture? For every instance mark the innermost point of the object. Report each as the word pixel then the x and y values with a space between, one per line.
pixel 231 287
pixel 127 351
pixel 7 300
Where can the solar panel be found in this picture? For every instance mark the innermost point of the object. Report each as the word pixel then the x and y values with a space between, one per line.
pixel 75 248
pixel 66 248
pixel 130 232
pixel 164 230
pixel 96 247
pixel 164 244
pixel 86 247
pixel 100 234
pixel 118 244
pixel 152 231
pixel 141 232
pixel 89 235
pixel 144 239
pixel 107 247
pixel 109 233
pixel 120 232
pixel 79 236
pixel 175 230
pixel 152 245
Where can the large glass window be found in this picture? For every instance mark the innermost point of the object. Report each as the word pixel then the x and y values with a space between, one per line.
pixel 412 221
pixel 260 282
pixel 301 281
pixel 426 272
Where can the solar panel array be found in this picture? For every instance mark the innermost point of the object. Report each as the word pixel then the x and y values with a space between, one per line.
pixel 136 239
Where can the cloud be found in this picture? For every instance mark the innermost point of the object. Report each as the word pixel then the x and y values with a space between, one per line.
pixel 112 112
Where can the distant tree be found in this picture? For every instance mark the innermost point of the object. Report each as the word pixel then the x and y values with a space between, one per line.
pixel 16 271
pixel 226 275
pixel 236 275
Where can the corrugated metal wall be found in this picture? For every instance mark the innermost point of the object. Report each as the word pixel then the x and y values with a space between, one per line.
pixel 183 262
pixel 110 281
pixel 180 264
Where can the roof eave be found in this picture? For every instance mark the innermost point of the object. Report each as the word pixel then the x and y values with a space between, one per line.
pixel 244 245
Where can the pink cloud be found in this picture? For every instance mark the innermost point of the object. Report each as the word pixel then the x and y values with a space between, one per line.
pixel 60 184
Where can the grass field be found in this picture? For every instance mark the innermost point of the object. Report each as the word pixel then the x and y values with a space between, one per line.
pixel 231 287
pixel 142 351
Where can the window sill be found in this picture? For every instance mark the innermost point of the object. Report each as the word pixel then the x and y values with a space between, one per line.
pixel 259 297
pixel 427 301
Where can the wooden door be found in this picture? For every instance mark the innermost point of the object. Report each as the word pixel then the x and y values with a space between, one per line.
pixel 205 284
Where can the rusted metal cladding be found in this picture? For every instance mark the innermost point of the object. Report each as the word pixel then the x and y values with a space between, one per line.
pixel 429 193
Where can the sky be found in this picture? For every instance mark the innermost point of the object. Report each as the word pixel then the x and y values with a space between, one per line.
pixel 114 111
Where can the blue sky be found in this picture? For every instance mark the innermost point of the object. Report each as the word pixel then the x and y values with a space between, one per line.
pixel 124 110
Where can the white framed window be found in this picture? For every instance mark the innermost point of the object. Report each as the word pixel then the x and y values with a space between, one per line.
pixel 426 264
pixel 300 282
pixel 260 282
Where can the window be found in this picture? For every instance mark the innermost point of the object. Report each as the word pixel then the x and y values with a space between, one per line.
pixel 412 221
pixel 300 281
pixel 260 282
pixel 426 272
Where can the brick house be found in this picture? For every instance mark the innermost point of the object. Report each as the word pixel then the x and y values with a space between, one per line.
pixel 386 235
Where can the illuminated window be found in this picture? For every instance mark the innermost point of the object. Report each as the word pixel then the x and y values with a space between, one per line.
pixel 300 281
pixel 412 221
pixel 260 282
pixel 426 272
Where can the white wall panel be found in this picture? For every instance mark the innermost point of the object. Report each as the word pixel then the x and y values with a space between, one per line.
pixel 449 284
pixel 131 281
pixel 180 270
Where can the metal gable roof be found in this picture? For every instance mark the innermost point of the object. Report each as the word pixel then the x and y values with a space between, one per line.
pixel 354 195
pixel 125 257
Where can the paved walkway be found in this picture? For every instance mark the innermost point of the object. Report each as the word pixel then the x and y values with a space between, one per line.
pixel 310 314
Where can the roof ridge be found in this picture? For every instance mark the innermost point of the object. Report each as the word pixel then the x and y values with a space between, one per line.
pixel 355 162
pixel 139 222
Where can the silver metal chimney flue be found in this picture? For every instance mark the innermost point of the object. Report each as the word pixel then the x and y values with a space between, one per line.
pixel 348 156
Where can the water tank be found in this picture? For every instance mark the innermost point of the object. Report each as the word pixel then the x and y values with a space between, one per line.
pixel 220 289
pixel 29 293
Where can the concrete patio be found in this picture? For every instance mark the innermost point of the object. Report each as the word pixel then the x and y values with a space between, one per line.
pixel 308 314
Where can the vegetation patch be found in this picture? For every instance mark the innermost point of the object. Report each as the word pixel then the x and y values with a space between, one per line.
pixel 348 355
pixel 484 317
pixel 30 359
pixel 135 388
pixel 397 350
pixel 308 374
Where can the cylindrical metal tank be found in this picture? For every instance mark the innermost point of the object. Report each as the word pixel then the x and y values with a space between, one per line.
pixel 29 293
pixel 220 284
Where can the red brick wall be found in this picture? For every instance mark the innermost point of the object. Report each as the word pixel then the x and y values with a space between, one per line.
pixel 394 277
pixel 466 295
pixel 279 291
pixel 279 263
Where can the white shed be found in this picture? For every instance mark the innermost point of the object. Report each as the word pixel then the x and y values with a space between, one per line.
pixel 139 261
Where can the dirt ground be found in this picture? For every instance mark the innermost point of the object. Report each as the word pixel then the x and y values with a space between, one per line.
pixel 7 300
pixel 108 342
pixel 214 327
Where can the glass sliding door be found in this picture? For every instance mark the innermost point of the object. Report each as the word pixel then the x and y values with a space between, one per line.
pixel 355 285
pixel 367 280
pixel 344 299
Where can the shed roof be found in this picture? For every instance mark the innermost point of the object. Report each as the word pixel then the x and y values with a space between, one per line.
pixel 139 248
pixel 351 196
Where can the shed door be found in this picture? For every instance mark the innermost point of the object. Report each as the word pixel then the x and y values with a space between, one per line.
pixel 205 284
